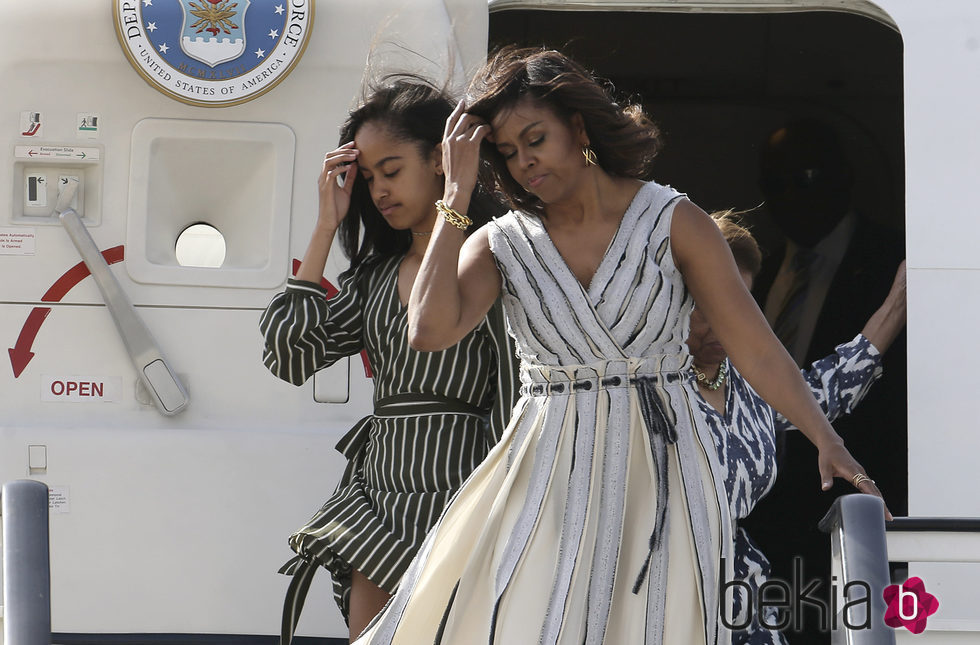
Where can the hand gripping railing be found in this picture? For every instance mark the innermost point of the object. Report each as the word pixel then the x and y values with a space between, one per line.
pixel 26 568
pixel 859 554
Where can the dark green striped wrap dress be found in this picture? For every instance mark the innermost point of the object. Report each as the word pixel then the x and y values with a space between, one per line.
pixel 436 414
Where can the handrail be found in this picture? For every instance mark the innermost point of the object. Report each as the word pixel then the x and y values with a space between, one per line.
pixel 935 524
pixel 859 560
pixel 934 539
pixel 26 564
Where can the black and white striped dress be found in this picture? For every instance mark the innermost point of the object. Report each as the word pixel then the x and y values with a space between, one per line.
pixel 601 516
pixel 428 432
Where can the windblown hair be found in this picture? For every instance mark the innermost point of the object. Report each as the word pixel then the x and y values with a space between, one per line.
pixel 413 110
pixel 624 139
pixel 746 250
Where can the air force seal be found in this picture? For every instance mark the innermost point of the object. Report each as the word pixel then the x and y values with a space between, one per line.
pixel 213 53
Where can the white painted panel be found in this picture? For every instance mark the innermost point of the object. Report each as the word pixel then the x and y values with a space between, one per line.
pixel 944 308
pixel 942 74
pixel 943 436
pixel 180 520
pixel 82 68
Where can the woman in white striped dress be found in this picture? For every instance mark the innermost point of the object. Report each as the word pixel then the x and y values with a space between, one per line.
pixel 601 515
pixel 435 415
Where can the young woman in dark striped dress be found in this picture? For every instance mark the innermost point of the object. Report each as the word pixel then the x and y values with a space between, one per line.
pixel 435 414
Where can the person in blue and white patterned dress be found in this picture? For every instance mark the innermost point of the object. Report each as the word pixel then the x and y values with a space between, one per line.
pixel 744 426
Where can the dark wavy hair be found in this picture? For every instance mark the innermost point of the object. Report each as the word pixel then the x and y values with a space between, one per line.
pixel 624 139
pixel 412 110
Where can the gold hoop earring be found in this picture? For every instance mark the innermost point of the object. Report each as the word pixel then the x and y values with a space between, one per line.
pixel 589 154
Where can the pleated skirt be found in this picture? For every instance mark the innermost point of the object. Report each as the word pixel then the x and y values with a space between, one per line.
pixel 549 541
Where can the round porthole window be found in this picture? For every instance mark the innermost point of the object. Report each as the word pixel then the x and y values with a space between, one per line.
pixel 201 245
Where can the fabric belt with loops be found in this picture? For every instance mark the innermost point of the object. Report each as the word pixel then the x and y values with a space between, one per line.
pixel 598 383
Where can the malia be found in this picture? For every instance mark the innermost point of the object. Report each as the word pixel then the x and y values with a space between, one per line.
pixel 744 426
pixel 600 516
pixel 430 426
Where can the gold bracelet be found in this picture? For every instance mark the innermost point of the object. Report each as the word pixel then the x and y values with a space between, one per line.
pixel 462 222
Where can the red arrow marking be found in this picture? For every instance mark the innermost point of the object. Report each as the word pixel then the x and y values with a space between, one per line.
pixel 20 353
pixel 331 292
pixel 78 273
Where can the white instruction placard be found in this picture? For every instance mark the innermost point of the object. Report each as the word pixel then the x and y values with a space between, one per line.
pixel 87 125
pixel 59 499
pixel 17 240
pixel 57 153
pixel 31 124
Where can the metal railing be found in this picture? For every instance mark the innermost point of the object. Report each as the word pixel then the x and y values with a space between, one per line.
pixel 859 557
pixel 26 566
pixel 859 549
pixel 913 539
pixel 862 545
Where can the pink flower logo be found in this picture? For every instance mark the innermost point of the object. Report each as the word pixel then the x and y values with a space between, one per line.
pixel 909 605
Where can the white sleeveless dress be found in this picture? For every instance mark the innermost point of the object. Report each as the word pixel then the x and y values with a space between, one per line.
pixel 601 516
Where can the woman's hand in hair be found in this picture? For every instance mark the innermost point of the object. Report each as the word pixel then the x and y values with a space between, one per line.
pixel 461 156
pixel 334 193
pixel 334 204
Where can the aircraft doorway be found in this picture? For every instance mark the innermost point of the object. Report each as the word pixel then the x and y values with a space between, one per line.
pixel 718 84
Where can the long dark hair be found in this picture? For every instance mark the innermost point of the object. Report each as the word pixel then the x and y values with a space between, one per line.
pixel 624 139
pixel 413 110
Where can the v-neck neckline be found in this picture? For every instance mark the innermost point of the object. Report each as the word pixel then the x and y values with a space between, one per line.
pixel 394 270
pixel 628 214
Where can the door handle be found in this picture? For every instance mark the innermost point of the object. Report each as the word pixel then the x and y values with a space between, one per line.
pixel 168 393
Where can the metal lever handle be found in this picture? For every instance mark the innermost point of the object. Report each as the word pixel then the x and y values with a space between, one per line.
pixel 168 393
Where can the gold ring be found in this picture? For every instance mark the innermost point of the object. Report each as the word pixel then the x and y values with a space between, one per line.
pixel 859 478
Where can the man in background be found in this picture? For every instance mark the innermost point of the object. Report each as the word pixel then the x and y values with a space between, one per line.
pixel 817 291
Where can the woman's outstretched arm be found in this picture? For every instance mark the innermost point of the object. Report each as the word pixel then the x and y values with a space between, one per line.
pixel 841 380
pixel 710 273
pixel 458 281
pixel 889 320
